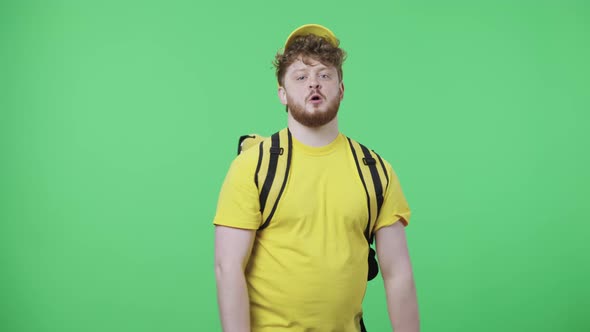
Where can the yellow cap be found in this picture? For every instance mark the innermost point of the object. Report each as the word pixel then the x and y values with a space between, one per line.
pixel 313 29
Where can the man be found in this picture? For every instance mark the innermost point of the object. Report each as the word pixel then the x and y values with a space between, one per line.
pixel 307 269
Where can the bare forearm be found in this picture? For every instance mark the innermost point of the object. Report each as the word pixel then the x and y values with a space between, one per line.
pixel 232 296
pixel 402 303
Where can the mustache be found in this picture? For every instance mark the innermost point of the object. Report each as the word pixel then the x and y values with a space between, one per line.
pixel 314 93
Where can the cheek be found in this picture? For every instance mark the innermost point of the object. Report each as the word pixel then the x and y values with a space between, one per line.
pixel 295 94
pixel 335 92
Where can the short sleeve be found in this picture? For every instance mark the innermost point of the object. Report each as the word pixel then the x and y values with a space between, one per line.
pixel 395 207
pixel 238 204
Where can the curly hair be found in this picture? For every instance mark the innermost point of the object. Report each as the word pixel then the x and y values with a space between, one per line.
pixel 309 46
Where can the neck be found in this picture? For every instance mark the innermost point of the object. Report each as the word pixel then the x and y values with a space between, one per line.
pixel 315 137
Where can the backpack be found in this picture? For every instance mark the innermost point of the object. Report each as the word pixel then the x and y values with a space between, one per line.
pixel 272 171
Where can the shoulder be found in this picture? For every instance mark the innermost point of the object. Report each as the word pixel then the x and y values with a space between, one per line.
pixel 361 148
pixel 252 157
pixel 246 161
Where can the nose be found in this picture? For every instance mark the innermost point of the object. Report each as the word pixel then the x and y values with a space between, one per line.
pixel 314 84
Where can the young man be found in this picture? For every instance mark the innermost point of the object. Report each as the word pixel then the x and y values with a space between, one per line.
pixel 307 269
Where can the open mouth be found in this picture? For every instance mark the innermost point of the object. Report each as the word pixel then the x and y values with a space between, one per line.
pixel 315 98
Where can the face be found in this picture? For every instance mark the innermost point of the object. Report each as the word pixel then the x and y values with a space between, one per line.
pixel 312 92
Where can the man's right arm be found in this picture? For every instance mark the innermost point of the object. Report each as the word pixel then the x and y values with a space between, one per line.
pixel 232 251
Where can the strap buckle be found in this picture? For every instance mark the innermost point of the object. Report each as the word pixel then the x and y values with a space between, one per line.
pixel 278 151
pixel 369 161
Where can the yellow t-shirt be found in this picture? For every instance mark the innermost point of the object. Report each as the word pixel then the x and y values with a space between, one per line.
pixel 308 268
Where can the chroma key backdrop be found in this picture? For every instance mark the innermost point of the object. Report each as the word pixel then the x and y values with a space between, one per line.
pixel 119 120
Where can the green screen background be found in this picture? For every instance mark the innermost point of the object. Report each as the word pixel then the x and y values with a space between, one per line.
pixel 120 119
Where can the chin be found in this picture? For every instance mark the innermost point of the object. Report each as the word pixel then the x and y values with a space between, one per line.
pixel 314 109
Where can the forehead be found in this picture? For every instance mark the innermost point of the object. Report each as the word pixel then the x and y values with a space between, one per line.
pixel 307 63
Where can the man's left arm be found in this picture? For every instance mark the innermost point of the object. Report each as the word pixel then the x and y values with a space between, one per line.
pixel 396 269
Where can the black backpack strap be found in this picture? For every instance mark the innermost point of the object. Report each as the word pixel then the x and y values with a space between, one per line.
pixel 377 185
pixel 277 173
pixel 363 328
pixel 260 154
pixel 275 152
pixel 383 168
pixel 366 163
pixel 360 172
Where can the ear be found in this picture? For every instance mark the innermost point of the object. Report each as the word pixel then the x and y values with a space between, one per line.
pixel 282 95
pixel 341 88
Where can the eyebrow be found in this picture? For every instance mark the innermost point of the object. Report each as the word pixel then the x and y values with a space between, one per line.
pixel 321 67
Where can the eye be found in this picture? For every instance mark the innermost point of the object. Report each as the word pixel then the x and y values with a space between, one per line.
pixel 324 76
pixel 300 78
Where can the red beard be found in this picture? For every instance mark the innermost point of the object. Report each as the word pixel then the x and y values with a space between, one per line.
pixel 316 118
